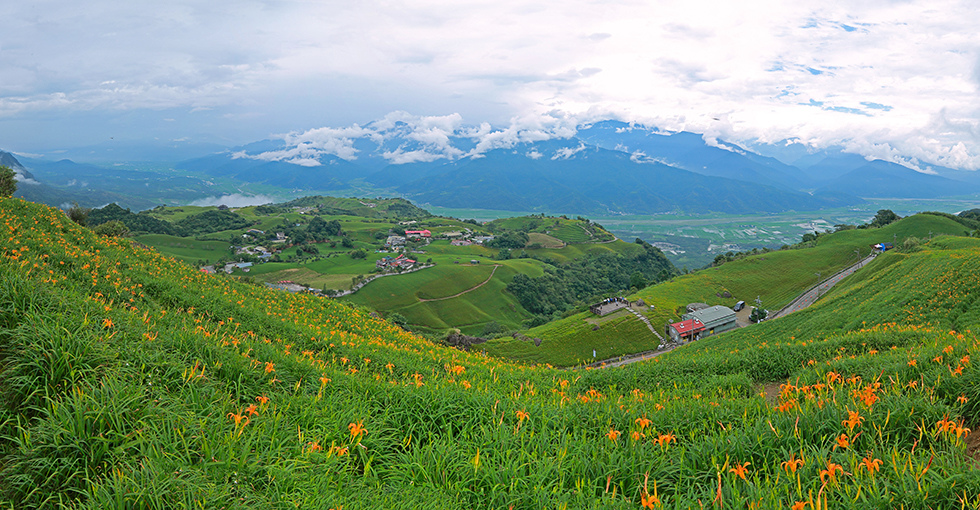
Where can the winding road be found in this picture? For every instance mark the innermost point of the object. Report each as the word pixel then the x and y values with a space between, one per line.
pixel 802 301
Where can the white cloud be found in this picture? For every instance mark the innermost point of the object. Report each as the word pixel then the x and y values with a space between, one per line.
pixel 23 179
pixel 234 200
pixel 567 152
pixel 898 78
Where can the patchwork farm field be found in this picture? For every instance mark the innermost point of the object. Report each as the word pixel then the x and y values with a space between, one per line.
pixel 132 381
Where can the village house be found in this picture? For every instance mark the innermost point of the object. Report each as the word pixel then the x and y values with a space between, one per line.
pixel 715 319
pixel 399 262
pixel 685 331
pixel 418 233
pixel 244 266
pixel 394 241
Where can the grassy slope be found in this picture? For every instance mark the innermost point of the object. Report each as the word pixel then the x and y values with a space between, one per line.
pixel 777 277
pixel 129 381
pixel 187 249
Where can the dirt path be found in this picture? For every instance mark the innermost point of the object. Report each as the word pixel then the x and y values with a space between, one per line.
pixel 495 266
pixel 626 360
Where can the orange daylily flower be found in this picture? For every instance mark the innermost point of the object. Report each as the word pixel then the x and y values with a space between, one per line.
pixel 643 422
pixel 831 472
pixel 792 464
pixel 649 500
pixel 740 470
pixel 613 434
pixel 853 420
pixel 356 429
pixel 870 464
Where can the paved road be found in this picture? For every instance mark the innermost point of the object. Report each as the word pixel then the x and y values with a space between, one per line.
pixel 809 297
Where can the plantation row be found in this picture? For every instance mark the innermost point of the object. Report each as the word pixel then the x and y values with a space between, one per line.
pixel 132 381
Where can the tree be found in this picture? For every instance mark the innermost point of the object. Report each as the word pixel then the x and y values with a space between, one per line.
pixel 884 217
pixel 114 228
pixel 78 214
pixel 638 280
pixel 8 181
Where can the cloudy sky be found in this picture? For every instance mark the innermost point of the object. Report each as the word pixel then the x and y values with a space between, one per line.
pixel 896 79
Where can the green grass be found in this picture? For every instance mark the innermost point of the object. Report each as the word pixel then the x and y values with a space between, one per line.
pixel 545 240
pixel 128 381
pixel 469 312
pixel 187 249
pixel 571 342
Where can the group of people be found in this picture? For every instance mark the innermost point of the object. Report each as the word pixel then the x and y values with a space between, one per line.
pixel 597 308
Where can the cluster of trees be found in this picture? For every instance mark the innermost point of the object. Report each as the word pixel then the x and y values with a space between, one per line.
pixel 733 255
pixel 882 217
pixel 133 222
pixel 211 221
pixel 510 240
pixel 577 283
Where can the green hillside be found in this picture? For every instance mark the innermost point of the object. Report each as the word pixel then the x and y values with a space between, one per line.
pixel 451 295
pixel 775 277
pixel 130 381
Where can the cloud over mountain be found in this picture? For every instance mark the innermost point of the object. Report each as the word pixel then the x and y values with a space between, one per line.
pixel 882 78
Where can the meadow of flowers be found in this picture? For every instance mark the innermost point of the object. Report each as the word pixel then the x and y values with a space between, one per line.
pixel 129 380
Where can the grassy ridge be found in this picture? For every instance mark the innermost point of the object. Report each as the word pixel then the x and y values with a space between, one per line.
pixel 129 381
pixel 777 277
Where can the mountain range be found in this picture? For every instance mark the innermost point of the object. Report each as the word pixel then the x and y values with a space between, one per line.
pixel 608 167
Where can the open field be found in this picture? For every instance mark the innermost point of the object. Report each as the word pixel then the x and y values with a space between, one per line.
pixel 187 249
pixel 469 312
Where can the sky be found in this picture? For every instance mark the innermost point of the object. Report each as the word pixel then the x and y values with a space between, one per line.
pixel 892 79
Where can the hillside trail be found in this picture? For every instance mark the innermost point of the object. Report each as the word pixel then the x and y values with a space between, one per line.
pixel 494 270
pixel 802 301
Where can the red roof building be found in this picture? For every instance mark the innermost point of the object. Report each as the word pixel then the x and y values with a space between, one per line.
pixel 420 233
pixel 685 330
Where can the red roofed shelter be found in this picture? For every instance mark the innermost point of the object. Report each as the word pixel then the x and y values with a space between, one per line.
pixel 685 331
